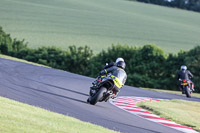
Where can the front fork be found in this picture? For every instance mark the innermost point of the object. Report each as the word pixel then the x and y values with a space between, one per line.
pixel 92 92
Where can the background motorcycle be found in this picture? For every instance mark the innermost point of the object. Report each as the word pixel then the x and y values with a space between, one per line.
pixel 186 87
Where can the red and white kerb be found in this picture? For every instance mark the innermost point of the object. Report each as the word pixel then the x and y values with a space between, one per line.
pixel 129 104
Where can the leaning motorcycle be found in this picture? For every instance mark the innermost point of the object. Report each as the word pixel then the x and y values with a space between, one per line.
pixel 102 89
pixel 186 88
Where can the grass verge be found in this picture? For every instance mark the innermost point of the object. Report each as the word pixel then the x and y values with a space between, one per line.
pixel 16 117
pixel 180 111
pixel 99 23
pixel 172 91
pixel 20 60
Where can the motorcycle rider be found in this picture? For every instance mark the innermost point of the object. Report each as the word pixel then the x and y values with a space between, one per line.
pixel 118 73
pixel 185 74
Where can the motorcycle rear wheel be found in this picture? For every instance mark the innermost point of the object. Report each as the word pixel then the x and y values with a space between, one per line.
pixel 97 96
pixel 187 92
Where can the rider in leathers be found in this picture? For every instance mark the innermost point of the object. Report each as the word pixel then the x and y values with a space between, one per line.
pixel 185 74
pixel 118 73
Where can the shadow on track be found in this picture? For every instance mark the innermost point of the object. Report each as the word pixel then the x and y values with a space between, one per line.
pixel 77 100
pixel 58 87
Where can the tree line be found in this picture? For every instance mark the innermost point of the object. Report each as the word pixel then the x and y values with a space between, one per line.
pixel 146 66
pixel 193 5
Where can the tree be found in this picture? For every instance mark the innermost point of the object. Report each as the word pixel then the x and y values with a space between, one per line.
pixel 77 60
pixel 5 42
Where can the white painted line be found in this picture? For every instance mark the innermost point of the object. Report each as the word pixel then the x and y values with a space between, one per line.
pixel 163 121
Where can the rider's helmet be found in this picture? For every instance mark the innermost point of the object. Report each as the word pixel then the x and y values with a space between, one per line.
pixel 119 59
pixel 183 67
pixel 121 64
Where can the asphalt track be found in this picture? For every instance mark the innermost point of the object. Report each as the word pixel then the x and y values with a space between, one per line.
pixel 66 93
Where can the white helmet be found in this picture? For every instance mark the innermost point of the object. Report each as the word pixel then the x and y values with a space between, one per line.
pixel 183 67
pixel 119 59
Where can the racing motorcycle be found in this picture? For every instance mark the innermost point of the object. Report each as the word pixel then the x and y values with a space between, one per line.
pixel 102 89
pixel 186 87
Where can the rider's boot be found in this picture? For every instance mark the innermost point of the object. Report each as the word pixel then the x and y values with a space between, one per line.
pixel 192 87
pixel 114 95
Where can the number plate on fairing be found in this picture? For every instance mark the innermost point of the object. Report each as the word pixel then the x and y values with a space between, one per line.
pixel 184 83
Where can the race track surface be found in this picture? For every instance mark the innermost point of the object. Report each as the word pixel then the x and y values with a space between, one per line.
pixel 66 93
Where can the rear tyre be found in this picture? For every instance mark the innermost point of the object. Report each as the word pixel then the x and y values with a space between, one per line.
pixel 187 92
pixel 97 96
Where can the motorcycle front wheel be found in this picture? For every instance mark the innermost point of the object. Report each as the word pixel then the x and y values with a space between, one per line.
pixel 93 100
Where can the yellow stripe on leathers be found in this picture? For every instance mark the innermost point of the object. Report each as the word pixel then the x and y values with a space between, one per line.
pixel 118 83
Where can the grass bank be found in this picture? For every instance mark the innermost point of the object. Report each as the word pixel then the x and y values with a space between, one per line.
pixel 16 117
pixel 99 23
pixel 172 91
pixel 20 60
pixel 180 111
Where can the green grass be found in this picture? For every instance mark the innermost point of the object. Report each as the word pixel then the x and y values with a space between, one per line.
pixel 16 117
pixel 172 91
pixel 99 23
pixel 20 60
pixel 180 111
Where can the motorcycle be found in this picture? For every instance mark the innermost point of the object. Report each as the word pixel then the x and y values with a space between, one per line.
pixel 102 89
pixel 186 87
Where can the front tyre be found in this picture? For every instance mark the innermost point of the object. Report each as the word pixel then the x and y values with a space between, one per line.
pixel 187 92
pixel 93 100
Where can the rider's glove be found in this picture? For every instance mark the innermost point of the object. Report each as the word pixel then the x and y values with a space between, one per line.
pixel 103 72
